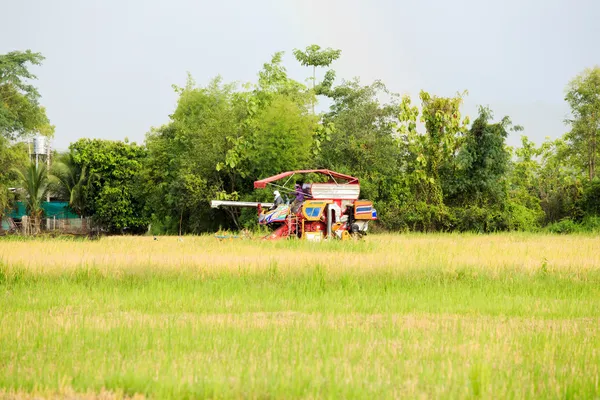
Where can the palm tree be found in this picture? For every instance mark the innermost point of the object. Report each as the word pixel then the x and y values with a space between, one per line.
pixel 74 180
pixel 34 180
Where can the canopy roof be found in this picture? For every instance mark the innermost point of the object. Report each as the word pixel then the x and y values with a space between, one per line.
pixel 334 175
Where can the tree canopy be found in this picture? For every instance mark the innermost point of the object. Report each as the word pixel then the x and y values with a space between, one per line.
pixel 422 161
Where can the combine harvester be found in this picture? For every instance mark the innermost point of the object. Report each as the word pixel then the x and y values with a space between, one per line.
pixel 330 210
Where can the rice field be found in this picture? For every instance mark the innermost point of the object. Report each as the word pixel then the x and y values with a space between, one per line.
pixel 395 316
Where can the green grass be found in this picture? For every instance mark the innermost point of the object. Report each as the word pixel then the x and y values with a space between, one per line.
pixel 312 332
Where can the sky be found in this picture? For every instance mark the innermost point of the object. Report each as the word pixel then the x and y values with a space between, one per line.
pixel 110 65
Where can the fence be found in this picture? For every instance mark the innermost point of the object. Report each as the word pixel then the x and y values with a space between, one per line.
pixel 57 218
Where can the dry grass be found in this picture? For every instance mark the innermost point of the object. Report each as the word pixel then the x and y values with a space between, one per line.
pixel 487 253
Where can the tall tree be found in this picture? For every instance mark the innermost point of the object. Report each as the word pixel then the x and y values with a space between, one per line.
pixel 314 56
pixel 583 96
pixel 20 111
pixel 483 159
pixel 437 146
pixel 20 114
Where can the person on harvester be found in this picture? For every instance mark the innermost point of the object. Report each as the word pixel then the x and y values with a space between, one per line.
pixel 299 198
pixel 277 201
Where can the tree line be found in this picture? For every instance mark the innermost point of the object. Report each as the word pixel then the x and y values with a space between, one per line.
pixel 426 166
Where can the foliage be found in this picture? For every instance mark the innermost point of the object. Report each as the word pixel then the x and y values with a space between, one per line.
pixel 314 56
pixel 435 149
pixel 561 183
pixel 74 181
pixel 583 96
pixel 34 181
pixel 20 112
pixel 590 199
pixel 12 156
pixel 425 165
pixel 114 198
pixel 478 177
pixel 219 140
pixel 364 142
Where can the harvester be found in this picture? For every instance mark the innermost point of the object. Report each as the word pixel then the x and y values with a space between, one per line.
pixel 330 209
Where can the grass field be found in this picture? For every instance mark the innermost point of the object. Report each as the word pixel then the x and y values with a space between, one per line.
pixel 396 316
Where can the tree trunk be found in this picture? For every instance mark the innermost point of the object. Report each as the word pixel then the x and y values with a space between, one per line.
pixel 37 222
pixel 180 221
pixel 594 152
pixel 314 85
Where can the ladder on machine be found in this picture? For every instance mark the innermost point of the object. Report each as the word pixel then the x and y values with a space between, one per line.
pixel 293 225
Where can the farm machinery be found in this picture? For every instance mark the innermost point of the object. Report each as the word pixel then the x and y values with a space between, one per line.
pixel 320 210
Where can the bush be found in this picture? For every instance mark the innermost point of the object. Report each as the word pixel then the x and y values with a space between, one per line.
pixel 564 226
pixel 479 219
pixel 417 216
pixel 523 218
pixel 590 201
pixel 590 224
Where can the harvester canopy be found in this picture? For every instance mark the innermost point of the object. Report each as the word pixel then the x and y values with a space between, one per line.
pixel 261 184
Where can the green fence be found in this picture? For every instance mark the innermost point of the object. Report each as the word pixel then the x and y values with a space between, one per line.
pixel 52 209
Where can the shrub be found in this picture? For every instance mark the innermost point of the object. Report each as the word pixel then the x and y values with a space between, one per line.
pixel 564 226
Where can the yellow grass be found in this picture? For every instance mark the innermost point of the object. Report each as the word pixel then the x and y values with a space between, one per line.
pixel 481 252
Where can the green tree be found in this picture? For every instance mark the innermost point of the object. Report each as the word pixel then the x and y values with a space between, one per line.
pixel 115 197
pixel 280 139
pixel 437 147
pixel 314 56
pixel 74 181
pixel 12 156
pixel 560 181
pixel 364 142
pixel 524 198
pixel 220 138
pixel 20 111
pixel 34 181
pixel 583 96
pixel 20 114
pixel 479 175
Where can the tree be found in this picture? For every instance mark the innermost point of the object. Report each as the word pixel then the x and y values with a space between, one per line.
pixel 437 147
pixel 363 142
pixel 74 179
pixel 523 178
pixel 583 96
pixel 12 156
pixel 280 139
pixel 34 180
pixel 115 197
pixel 20 114
pixel 314 57
pixel 560 181
pixel 479 176
pixel 20 111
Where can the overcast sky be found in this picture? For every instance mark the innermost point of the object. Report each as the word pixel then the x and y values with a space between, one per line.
pixel 110 64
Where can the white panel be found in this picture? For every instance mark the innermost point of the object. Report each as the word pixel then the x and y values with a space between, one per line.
pixel 333 191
